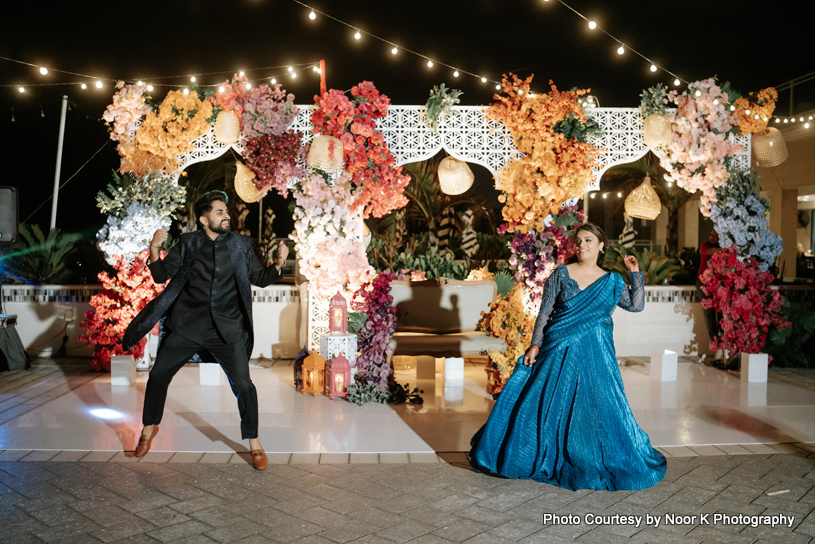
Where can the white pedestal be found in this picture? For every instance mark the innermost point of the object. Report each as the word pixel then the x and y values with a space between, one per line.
pixel 663 366
pixel 209 373
pixel 454 369
pixel 332 345
pixel 754 367
pixel 122 370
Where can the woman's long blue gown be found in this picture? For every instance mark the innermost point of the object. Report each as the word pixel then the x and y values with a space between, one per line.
pixel 565 420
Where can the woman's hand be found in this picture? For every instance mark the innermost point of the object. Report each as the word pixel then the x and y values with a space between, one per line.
pixel 531 355
pixel 631 263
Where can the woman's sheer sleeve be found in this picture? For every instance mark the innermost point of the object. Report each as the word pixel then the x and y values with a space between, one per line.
pixel 550 291
pixel 633 297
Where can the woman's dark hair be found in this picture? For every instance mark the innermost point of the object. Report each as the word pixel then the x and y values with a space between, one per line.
pixel 601 237
pixel 203 204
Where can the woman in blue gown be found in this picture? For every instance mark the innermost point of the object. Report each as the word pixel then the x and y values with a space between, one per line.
pixel 562 417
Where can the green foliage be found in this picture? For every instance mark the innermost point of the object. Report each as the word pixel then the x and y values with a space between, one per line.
pixel 654 100
pixel 572 127
pixel 158 191
pixel 658 269
pixel 356 322
pixel 37 258
pixel 401 394
pixel 440 104
pixel 793 347
pixel 433 264
pixel 361 393
pixel 503 278
pixel 742 183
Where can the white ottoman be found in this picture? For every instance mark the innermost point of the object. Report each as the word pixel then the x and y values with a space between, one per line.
pixel 122 370
pixel 663 366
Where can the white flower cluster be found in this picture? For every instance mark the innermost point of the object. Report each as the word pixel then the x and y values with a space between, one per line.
pixel 131 235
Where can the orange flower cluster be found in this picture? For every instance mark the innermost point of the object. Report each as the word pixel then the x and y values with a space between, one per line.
pixel 554 168
pixel 508 321
pixel 142 163
pixel 760 107
pixel 181 119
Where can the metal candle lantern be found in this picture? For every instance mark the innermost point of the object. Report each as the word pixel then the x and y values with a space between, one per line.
pixel 313 374
pixel 337 377
pixel 338 315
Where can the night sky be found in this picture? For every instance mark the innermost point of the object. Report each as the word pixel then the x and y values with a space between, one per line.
pixel 752 44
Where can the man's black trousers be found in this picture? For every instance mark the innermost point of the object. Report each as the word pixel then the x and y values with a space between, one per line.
pixel 175 351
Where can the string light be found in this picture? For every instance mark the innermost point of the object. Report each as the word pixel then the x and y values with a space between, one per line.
pixel 592 25
pixel 291 69
pixel 357 35
pixel 430 64
pixel 240 73
pixel 592 195
pixel 43 70
pixel 21 89
pixel 314 68
pixel 621 50
pixel 747 112
pixel 394 50
pixel 312 15
pixel 698 93
pixel 605 195
pixel 221 89
pixel 140 83
pixel 98 84
pixel 84 86
pixel 676 82
pixel 248 86
pixel 149 87
pixel 498 87
pixel 455 74
pixel 293 75
pixel 192 79
pixel 274 81
pixel 653 67
pixel 186 91
pixel 483 80
pixel 619 195
pixel 715 101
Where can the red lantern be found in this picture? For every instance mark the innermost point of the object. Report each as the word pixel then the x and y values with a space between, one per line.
pixel 337 377
pixel 338 315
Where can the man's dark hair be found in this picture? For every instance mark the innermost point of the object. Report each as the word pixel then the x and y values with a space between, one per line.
pixel 203 204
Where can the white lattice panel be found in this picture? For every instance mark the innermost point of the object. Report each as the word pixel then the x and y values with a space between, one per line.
pixel 332 345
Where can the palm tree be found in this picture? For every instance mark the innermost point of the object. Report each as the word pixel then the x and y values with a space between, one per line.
pixel 628 176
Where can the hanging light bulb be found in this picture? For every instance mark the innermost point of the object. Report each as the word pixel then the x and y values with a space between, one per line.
pixel 98 84
pixel 716 102
pixel 619 195
pixel 186 91
pixel 248 86
pixel 221 89
pixel 747 112
pixel 430 64
pixel 592 25
pixel 274 81
pixel 676 82
pixel 314 68
pixel 455 74
pixel 593 195
pixel 84 86
pixel 139 83
pixel 21 89
pixel 293 75
pixel 621 50
pixel 312 15
pixel 698 93
pixel 777 120
pixel 192 79
pixel 240 73
pixel 498 87
pixel 43 70
pixel 732 108
pixel 605 195
pixel 357 35
pixel 394 50
pixel 291 69
pixel 653 67
pixel 483 80
pixel 149 87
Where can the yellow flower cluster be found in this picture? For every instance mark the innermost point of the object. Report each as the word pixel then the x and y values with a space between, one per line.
pixel 760 107
pixel 180 120
pixel 508 321
pixel 480 274
pixel 143 163
pixel 554 168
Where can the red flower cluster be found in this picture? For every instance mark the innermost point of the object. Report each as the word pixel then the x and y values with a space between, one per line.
pixel 122 298
pixel 379 183
pixel 275 159
pixel 741 293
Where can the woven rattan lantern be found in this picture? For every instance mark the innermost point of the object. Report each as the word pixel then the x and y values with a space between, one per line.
pixel 455 176
pixel 656 130
pixel 227 128
pixel 244 185
pixel 325 154
pixel 643 202
pixel 769 147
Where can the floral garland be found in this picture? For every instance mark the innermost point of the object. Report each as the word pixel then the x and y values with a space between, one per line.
pixel 323 221
pixel 275 160
pixel 509 321
pixel 181 118
pixel 122 298
pixel 552 131
pixel 535 254
pixel 739 216
pixel 755 110
pixel 374 299
pixel 378 184
pixel 703 140
pixel 740 291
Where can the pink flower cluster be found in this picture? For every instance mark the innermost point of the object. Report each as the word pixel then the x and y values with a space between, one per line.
pixel 378 184
pixel 741 293
pixel 123 297
pixel 267 111
pixel 703 139
pixel 127 108
pixel 374 299
pixel 233 96
pixel 324 223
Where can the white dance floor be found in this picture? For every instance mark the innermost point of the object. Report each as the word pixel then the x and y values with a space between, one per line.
pixel 703 407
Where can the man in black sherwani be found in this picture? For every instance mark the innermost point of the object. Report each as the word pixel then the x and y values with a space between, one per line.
pixel 208 310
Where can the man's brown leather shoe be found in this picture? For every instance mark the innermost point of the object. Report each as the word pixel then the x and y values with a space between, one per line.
pixel 259 459
pixel 144 443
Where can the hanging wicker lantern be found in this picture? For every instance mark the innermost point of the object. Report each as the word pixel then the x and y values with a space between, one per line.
pixel 656 130
pixel 455 176
pixel 243 184
pixel 326 154
pixel 227 128
pixel 769 147
pixel 643 202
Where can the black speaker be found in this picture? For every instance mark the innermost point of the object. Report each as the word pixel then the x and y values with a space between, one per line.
pixel 9 212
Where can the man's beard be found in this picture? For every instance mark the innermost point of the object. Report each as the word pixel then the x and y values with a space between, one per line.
pixel 219 229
